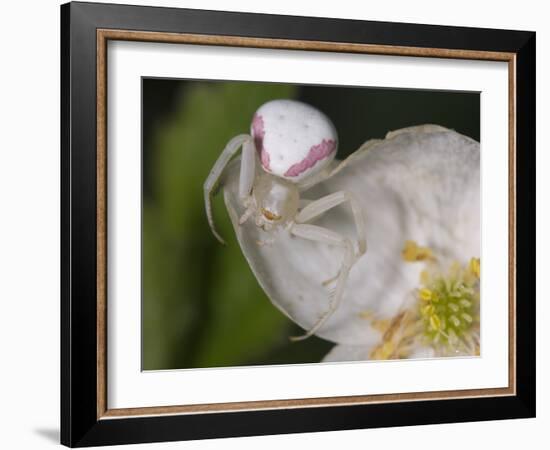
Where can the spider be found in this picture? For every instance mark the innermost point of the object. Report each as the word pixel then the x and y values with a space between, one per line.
pixel 290 149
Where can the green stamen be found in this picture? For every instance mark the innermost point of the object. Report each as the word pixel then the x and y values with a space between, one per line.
pixel 447 307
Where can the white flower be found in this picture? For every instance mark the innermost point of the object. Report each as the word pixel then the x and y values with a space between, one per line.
pixel 419 190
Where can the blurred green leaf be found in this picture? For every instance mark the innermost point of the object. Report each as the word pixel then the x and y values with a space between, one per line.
pixel 202 306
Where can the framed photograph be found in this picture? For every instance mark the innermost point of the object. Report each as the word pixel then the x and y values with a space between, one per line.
pixel 276 224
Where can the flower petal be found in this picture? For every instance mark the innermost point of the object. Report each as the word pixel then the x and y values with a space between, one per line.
pixel 420 183
pixel 340 353
pixel 423 353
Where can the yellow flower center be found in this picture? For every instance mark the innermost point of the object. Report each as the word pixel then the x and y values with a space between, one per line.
pixel 444 316
pixel 448 305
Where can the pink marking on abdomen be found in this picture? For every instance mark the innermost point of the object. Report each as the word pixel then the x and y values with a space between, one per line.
pixel 264 157
pixel 259 132
pixel 316 153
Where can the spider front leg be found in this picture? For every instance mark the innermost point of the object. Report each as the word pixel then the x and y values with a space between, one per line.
pixel 246 176
pixel 316 208
pixel 320 234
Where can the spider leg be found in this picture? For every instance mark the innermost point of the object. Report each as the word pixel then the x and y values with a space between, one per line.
pixel 331 279
pixel 246 179
pixel 248 169
pixel 223 160
pixel 320 206
pixel 320 234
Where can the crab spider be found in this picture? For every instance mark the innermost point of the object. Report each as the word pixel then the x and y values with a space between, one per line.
pixel 294 145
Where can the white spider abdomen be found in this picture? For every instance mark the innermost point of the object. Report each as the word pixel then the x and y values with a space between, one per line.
pixel 294 140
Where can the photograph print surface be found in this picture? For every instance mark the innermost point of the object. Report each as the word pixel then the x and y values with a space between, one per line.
pixel 293 224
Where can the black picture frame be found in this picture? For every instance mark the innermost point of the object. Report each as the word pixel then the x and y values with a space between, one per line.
pixel 80 424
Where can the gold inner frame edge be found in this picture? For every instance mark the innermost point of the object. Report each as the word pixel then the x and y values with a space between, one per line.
pixel 103 36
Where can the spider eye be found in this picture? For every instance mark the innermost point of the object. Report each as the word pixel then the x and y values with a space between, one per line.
pixel 270 215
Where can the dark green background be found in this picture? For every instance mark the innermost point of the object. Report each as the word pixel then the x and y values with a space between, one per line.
pixel 202 307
